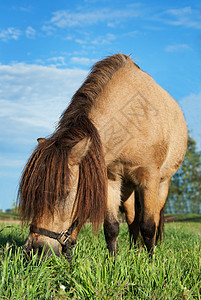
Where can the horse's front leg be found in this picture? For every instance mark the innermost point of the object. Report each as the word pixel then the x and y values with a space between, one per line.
pixel 111 231
pixel 111 223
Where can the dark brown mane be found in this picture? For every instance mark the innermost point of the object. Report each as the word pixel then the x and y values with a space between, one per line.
pixel 44 182
pixel 85 96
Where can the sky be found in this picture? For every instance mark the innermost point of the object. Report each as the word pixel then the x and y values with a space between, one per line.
pixel 48 47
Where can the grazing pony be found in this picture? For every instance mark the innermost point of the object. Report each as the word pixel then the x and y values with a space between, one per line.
pixel 120 141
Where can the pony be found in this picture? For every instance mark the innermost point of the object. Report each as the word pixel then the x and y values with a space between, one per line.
pixel 119 142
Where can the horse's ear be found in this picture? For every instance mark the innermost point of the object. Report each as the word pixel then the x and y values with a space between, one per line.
pixel 79 151
pixel 40 140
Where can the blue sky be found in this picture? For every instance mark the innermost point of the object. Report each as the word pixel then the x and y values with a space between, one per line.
pixel 47 48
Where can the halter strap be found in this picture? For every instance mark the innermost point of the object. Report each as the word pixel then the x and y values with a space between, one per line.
pixel 62 237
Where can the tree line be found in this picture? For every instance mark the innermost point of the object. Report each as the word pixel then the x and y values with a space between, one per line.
pixel 185 187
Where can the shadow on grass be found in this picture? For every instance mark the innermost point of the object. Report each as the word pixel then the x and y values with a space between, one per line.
pixel 193 219
pixel 183 218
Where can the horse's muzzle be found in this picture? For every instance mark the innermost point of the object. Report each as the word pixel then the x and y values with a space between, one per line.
pixel 67 251
pixel 32 247
pixel 40 248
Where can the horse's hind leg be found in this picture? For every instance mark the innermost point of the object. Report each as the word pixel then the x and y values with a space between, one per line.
pixel 133 216
pixel 111 223
pixel 162 196
pixel 138 216
pixel 129 206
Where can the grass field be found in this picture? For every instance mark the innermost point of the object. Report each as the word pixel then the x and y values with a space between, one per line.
pixel 8 216
pixel 173 273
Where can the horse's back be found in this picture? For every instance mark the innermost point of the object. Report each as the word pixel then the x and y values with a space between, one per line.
pixel 139 122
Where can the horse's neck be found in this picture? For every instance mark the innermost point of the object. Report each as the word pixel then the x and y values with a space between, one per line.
pixel 106 112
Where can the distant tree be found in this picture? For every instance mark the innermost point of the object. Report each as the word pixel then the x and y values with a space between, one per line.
pixel 14 209
pixel 185 187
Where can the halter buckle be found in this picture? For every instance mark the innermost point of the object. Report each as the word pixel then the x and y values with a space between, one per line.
pixel 64 238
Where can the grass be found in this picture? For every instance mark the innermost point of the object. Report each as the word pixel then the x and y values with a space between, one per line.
pixel 9 216
pixel 173 273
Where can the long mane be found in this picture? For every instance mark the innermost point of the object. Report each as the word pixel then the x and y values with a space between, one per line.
pixel 45 180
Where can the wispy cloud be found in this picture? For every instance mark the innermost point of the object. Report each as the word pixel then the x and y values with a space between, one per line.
pixel 177 48
pixel 185 16
pixel 10 33
pixel 33 96
pixel 65 18
pixel 91 42
pixel 83 61
pixel 30 32
pixel 102 40
pixel 74 58
pixel 24 9
pixel 81 41
pixel 57 61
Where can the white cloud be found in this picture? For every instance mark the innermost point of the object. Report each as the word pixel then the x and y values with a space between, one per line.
pixel 48 29
pixel 30 32
pixel 33 96
pixel 81 42
pixel 98 40
pixel 65 18
pixel 10 33
pixel 185 16
pixel 82 61
pixel 107 39
pixel 132 34
pixel 177 48
pixel 57 61
pixel 24 9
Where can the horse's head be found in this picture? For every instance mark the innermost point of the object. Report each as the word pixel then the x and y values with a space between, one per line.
pixel 48 193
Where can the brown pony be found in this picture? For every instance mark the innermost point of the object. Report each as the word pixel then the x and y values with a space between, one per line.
pixel 120 140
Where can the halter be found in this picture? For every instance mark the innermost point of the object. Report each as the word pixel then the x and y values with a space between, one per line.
pixel 62 237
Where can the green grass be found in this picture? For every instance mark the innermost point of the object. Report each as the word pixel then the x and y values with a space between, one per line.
pixel 173 273
pixel 9 216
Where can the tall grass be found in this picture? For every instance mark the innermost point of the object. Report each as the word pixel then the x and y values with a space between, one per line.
pixel 173 273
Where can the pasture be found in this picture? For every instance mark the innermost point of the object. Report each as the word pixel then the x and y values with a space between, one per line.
pixel 173 273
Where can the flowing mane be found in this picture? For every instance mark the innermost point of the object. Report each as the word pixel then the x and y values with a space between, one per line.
pixel 44 182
